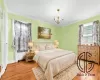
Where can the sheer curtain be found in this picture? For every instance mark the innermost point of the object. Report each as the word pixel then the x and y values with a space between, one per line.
pixel 89 33
pixel 22 35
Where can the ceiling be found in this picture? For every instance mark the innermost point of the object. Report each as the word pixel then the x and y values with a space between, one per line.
pixel 45 10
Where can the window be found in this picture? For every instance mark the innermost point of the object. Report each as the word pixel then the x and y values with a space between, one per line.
pixel 22 35
pixel 89 33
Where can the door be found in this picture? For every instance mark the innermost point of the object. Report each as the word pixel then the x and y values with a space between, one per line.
pixel 4 40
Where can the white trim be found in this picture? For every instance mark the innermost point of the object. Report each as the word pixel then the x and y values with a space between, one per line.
pixel 25 22
pixel 1 66
pixel 87 24
pixel 80 20
pixel 2 45
pixel 2 72
pixel 33 18
pixel 4 39
pixel 1 39
pixel 63 25
pixel 12 61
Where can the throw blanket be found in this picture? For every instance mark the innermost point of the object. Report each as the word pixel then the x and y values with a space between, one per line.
pixel 55 61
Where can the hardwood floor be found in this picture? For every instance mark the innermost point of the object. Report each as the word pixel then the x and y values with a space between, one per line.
pixel 19 71
pixel 93 75
pixel 23 71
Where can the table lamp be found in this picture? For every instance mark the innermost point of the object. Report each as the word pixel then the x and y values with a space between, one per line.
pixel 30 46
pixel 56 43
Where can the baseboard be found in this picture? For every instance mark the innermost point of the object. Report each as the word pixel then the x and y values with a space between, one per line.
pixel 4 67
pixel 2 71
pixel 12 61
pixel 1 65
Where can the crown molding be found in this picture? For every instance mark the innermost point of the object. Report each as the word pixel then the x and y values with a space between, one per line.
pixel 76 21
pixel 63 25
pixel 32 18
pixel 56 25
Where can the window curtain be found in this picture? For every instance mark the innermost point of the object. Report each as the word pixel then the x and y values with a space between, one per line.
pixel 22 35
pixel 94 38
pixel 96 32
pixel 80 34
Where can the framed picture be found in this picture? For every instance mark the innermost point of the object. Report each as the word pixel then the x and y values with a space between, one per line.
pixel 44 33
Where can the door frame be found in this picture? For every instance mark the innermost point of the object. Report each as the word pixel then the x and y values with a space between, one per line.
pixel 4 41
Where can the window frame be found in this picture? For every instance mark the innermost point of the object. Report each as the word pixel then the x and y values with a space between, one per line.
pixel 87 35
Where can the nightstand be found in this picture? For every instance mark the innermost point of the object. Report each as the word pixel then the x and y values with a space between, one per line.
pixel 29 56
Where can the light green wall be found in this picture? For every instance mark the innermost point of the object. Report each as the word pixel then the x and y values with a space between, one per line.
pixel 69 34
pixel 66 35
pixel 1 4
pixel 35 24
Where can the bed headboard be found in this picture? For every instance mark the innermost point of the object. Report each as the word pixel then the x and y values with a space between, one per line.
pixel 44 45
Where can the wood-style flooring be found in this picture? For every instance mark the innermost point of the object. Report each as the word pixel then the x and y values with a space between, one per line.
pixel 19 71
pixel 93 75
pixel 23 71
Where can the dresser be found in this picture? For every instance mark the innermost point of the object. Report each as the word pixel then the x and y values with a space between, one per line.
pixel 89 41
pixel 93 50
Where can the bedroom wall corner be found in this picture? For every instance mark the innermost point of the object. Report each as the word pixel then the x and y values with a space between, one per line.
pixel 70 34
pixel 59 35
pixel 35 24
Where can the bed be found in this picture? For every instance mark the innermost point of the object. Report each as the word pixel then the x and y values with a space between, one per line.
pixel 53 61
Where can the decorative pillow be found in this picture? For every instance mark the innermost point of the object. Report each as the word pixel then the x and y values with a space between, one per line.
pixel 41 47
pixel 49 46
pixel 36 47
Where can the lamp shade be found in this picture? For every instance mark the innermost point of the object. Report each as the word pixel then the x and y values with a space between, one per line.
pixel 30 44
pixel 56 43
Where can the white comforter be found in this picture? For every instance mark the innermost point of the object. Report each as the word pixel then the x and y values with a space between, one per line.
pixel 54 61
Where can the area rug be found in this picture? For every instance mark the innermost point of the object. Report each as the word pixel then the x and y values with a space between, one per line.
pixel 67 74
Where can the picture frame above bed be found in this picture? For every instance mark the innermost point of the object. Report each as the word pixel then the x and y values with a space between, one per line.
pixel 44 33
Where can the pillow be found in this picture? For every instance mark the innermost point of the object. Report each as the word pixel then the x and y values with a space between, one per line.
pixel 35 47
pixel 49 46
pixel 41 47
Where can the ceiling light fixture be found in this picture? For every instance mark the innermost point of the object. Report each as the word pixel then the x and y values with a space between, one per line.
pixel 57 18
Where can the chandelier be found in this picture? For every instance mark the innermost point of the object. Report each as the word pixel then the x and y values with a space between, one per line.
pixel 57 18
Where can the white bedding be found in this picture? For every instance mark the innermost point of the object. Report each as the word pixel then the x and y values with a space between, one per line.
pixel 54 61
